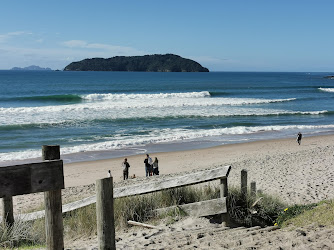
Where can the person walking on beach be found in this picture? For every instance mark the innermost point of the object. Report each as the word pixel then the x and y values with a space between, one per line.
pixel 299 138
pixel 126 167
pixel 155 166
pixel 148 165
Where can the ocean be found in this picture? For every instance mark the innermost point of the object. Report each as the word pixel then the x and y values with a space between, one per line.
pixel 99 115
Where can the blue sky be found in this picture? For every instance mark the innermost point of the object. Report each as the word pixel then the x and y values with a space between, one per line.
pixel 285 35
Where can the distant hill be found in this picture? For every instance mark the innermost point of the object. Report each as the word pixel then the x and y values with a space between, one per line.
pixel 149 63
pixel 32 67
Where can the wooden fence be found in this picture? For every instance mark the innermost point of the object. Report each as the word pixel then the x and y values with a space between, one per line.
pixel 154 186
pixel 106 195
pixel 47 177
pixel 103 199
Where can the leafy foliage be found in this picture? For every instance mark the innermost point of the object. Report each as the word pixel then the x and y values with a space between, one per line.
pixel 148 63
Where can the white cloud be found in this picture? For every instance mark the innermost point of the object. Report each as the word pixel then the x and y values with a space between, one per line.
pixel 75 44
pixel 108 48
pixel 208 59
pixel 59 57
pixel 55 57
pixel 7 36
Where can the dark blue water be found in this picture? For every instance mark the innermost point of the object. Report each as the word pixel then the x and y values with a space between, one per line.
pixel 109 114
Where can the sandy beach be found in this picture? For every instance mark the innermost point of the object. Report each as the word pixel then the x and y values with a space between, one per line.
pixel 297 174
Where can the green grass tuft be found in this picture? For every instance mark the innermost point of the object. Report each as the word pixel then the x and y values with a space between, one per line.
pixel 259 210
pixel 321 213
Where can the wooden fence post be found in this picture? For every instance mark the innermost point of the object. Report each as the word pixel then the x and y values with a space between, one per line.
pixel 253 188
pixel 105 214
pixel 244 183
pixel 7 211
pixel 223 194
pixel 53 206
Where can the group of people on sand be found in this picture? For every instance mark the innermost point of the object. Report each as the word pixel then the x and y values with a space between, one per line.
pixel 151 167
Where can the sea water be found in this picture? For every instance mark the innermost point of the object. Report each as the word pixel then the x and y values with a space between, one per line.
pixel 97 115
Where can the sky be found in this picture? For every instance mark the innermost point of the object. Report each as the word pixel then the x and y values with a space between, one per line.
pixel 222 35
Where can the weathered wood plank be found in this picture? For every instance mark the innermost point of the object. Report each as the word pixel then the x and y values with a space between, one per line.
pixel 244 183
pixel 54 229
pixel 180 181
pixel 7 211
pixel 207 175
pixel 198 177
pixel 201 208
pixel 32 178
pixel 53 220
pixel 223 194
pixel 105 213
pixel 135 223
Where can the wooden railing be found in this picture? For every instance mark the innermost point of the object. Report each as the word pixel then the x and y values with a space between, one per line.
pixel 47 177
pixel 154 186
pixel 106 195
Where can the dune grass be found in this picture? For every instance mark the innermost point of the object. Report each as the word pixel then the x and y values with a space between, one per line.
pixel 142 209
pixel 321 213
pixel 260 210
pixel 22 234
pixel 138 208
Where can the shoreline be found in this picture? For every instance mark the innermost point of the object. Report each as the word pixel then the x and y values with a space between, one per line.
pixel 76 173
pixel 297 174
pixel 171 146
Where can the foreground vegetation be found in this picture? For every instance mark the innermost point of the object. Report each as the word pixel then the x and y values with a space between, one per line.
pixel 260 210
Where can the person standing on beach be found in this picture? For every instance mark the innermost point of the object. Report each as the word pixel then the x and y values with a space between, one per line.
pixel 155 166
pixel 150 162
pixel 148 165
pixel 299 138
pixel 126 167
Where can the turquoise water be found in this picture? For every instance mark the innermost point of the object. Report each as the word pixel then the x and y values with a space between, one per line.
pixel 94 115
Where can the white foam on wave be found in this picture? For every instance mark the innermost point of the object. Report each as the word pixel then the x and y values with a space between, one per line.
pixel 139 107
pixel 162 136
pixel 178 99
pixel 140 104
pixel 327 89
pixel 109 111
pixel 110 96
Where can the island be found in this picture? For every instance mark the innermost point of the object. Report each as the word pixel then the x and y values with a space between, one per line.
pixel 147 63
pixel 32 67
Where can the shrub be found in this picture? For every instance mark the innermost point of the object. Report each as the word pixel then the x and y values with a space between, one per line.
pixel 259 210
